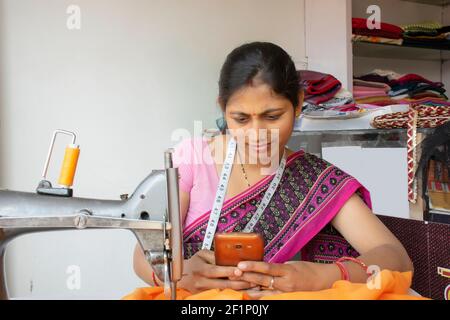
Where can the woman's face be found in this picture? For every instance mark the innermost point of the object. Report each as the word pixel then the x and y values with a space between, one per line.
pixel 260 118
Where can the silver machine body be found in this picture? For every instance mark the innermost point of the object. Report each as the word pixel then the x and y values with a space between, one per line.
pixel 152 213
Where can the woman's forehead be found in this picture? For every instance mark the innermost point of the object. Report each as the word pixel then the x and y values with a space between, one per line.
pixel 260 98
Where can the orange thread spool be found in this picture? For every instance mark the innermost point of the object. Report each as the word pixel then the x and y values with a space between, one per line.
pixel 69 165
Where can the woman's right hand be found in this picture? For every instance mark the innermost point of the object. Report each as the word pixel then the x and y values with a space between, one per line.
pixel 200 273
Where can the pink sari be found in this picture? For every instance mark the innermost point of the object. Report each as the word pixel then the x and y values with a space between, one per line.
pixel 309 196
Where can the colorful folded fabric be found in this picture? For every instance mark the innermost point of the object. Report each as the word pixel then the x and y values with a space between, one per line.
pixel 441 45
pixel 426 100
pixel 324 85
pixel 346 108
pixel 380 76
pixel 362 83
pixel 343 98
pixel 427 94
pixel 426 34
pixel 426 27
pixel 344 93
pixel 439 37
pixel 336 102
pixel 415 78
pixel 360 27
pixel 350 106
pixel 319 87
pixel 418 90
pixel 379 101
pixel 392 75
pixel 404 89
pixel 357 88
pixel 373 39
pixel 430 102
pixel 429 33
pixel 374 78
pixel 322 98
pixel 366 92
pixel 413 85
pixel 387 285
pixel 317 82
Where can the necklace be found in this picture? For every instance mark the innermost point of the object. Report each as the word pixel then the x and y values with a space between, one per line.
pixel 243 169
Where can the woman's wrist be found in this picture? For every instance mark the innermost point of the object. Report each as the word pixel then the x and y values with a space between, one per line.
pixel 329 274
pixel 321 275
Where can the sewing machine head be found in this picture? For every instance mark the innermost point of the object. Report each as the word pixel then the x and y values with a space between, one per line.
pixel 151 213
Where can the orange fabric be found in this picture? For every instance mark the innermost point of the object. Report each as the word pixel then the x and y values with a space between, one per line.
pixel 154 293
pixel 393 285
pixel 216 294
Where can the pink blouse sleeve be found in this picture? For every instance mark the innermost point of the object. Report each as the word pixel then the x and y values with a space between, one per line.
pixel 183 160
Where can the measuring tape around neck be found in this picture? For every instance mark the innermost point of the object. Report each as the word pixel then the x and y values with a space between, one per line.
pixel 222 189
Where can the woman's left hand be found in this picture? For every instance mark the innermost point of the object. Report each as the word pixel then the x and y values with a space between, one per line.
pixel 287 277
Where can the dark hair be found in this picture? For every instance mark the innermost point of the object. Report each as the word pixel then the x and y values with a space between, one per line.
pixel 264 61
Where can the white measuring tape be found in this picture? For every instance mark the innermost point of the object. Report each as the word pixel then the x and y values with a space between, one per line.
pixel 222 189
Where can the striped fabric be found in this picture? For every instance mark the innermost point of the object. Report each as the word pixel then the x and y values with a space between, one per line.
pixel 436 186
pixel 427 26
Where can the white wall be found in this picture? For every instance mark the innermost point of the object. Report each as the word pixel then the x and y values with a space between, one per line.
pixel 135 71
pixel 328 38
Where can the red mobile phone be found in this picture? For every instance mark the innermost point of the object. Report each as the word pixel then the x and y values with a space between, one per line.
pixel 232 248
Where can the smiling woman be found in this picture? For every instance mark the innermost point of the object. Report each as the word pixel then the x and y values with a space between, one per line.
pixel 288 204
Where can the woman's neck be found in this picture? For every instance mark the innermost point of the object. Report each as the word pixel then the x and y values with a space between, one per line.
pixel 251 160
pixel 266 162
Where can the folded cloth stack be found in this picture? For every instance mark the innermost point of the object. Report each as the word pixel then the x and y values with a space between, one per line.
pixel 422 34
pixel 385 87
pixel 387 33
pixel 426 34
pixel 324 92
pixel 416 87
pixel 369 92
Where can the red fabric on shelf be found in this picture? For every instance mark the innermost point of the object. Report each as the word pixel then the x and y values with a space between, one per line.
pixel 319 87
pixel 408 78
pixel 387 30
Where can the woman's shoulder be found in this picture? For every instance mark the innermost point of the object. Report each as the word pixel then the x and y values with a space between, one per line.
pixel 192 150
pixel 310 160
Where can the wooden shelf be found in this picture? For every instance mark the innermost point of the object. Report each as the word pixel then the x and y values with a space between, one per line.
pixel 442 3
pixel 410 52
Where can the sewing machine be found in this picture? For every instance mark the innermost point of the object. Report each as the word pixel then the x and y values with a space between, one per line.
pixel 151 213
